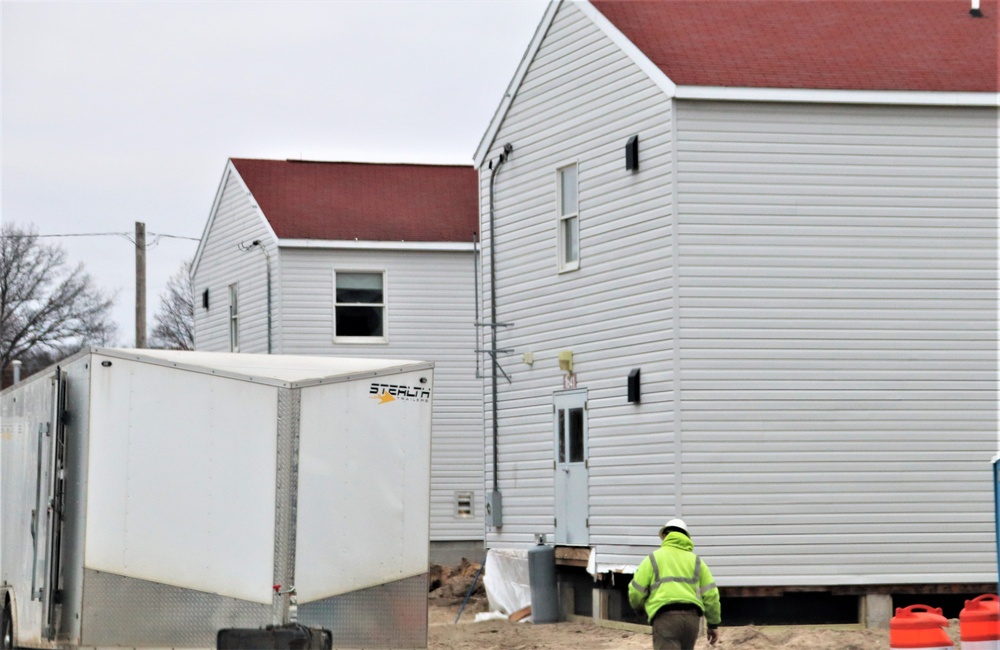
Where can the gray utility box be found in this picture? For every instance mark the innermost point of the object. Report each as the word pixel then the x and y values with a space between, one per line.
pixel 494 509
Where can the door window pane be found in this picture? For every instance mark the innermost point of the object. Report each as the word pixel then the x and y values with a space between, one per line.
pixel 576 436
pixel 561 418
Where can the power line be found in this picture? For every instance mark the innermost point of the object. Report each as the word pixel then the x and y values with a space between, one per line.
pixel 75 234
pixel 127 235
pixel 158 234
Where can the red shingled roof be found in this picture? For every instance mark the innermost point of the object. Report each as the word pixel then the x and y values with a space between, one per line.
pixel 923 45
pixel 364 201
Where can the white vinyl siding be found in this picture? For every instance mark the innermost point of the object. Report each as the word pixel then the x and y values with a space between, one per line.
pixel 582 99
pixel 838 306
pixel 236 220
pixel 430 315
pixel 813 308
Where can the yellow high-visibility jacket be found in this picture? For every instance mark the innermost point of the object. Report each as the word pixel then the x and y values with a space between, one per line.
pixel 674 574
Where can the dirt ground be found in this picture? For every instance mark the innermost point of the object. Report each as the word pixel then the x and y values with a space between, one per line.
pixel 444 634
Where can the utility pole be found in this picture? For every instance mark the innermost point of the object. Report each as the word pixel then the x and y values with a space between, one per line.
pixel 140 284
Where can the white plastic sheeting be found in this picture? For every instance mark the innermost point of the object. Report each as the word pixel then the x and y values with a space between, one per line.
pixel 506 580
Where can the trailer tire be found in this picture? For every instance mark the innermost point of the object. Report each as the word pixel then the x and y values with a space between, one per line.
pixel 7 627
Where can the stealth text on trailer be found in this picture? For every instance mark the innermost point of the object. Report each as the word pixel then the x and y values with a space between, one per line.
pixel 391 392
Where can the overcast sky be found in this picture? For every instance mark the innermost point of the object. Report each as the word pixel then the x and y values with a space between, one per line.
pixel 117 112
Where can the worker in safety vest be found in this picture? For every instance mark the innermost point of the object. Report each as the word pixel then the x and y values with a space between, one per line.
pixel 677 588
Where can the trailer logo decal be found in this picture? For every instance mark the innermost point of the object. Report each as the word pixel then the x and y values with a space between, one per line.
pixel 386 393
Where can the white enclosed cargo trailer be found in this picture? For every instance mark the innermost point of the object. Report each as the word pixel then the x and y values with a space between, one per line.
pixel 153 498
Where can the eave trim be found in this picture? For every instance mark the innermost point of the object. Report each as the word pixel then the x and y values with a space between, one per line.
pixel 354 244
pixel 479 157
pixel 816 96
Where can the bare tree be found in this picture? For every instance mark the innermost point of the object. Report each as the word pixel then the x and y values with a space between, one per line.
pixel 174 321
pixel 48 310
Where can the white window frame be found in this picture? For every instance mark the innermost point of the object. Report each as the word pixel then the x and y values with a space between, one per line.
pixel 234 317
pixel 363 340
pixel 563 218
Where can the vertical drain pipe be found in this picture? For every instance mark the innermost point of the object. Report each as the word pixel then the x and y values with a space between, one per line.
pixel 267 259
pixel 507 148
pixel 476 251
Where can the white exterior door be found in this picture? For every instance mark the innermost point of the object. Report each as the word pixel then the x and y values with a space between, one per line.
pixel 571 473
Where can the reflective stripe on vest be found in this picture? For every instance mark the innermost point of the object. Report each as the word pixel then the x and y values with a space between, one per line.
pixel 642 590
pixel 657 580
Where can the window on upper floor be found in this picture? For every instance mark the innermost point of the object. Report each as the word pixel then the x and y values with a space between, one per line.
pixel 569 218
pixel 359 307
pixel 234 318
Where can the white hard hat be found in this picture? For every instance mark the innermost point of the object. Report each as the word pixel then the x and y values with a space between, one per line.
pixel 674 523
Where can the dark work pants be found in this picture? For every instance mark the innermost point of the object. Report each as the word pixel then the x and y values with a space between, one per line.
pixel 675 630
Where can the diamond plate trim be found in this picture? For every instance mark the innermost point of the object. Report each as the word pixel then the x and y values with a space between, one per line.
pixel 122 611
pixel 286 500
pixel 392 615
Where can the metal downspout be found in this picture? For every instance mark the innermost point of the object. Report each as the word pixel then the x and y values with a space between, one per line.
pixel 476 283
pixel 267 259
pixel 507 148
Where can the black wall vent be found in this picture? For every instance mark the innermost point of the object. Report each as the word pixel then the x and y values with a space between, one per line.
pixel 633 386
pixel 632 154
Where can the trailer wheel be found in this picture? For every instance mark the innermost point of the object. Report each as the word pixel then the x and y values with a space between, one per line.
pixel 7 627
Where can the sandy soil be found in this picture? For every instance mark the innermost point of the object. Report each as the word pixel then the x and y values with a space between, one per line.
pixel 445 634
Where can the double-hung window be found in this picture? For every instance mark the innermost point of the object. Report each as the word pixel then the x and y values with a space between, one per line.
pixel 569 218
pixel 234 318
pixel 359 307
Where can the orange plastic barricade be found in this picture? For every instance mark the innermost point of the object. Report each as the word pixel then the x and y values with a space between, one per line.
pixel 919 626
pixel 980 623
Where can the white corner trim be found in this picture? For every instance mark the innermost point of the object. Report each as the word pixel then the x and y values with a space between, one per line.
pixel 656 75
pixel 196 260
pixel 479 157
pixel 227 170
pixel 801 95
pixel 230 171
pixel 354 244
